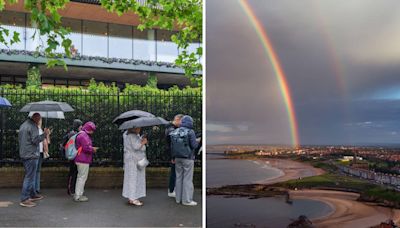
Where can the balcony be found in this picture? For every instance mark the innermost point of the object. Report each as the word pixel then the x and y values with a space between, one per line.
pixel 97 44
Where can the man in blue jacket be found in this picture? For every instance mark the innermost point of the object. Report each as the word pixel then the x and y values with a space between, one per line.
pixel 29 139
pixel 183 143
pixel 172 178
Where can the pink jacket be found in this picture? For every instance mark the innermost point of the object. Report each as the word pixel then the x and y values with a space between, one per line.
pixel 85 141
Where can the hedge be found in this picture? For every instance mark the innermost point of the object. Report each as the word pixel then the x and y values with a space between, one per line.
pixel 101 104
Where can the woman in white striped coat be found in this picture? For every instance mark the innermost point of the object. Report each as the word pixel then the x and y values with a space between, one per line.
pixel 134 177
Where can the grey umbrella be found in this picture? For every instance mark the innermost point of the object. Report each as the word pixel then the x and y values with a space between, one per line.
pixel 143 122
pixel 130 115
pixel 47 106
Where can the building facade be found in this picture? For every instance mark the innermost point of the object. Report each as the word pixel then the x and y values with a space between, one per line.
pixel 106 47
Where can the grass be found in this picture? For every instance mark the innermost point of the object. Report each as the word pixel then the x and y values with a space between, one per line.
pixel 368 191
pixel 328 180
pixel 381 194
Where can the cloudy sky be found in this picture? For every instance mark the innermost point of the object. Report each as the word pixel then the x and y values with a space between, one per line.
pixel 341 59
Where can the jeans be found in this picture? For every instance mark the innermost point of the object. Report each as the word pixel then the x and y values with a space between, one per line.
pixel 184 180
pixel 73 173
pixel 172 178
pixel 37 176
pixel 83 171
pixel 28 186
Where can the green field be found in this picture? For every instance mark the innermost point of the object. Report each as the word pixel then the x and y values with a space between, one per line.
pixel 368 191
pixel 329 180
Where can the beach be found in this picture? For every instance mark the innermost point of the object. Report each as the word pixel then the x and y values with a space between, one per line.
pixel 290 170
pixel 348 212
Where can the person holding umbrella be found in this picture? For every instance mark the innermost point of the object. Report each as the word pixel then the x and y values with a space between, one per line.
pixel 29 139
pixel 44 153
pixel 135 160
pixel 83 159
pixel 134 186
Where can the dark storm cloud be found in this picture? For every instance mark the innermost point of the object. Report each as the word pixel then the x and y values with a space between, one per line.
pixel 311 38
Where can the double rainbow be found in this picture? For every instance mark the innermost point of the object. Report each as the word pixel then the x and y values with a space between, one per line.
pixel 277 68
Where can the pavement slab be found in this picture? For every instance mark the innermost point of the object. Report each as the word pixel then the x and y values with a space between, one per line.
pixel 105 208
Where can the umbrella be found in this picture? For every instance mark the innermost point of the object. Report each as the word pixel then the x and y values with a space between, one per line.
pixel 51 115
pixel 4 103
pixel 130 115
pixel 47 106
pixel 143 122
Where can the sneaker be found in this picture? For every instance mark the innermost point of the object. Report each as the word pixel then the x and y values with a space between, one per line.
pixel 81 199
pixel 191 203
pixel 36 197
pixel 171 194
pixel 27 203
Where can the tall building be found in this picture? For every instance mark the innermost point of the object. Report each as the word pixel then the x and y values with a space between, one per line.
pixel 108 48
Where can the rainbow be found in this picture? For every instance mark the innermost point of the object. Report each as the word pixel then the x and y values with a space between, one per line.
pixel 335 61
pixel 277 68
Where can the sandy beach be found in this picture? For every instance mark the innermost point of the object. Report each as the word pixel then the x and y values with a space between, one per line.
pixel 290 170
pixel 347 211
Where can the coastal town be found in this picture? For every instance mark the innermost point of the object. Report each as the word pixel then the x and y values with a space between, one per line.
pixel 378 164
pixel 353 179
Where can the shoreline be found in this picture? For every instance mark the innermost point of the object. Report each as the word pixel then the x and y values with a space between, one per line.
pixel 347 211
pixel 290 170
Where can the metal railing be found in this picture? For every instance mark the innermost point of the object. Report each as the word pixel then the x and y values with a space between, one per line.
pixel 101 108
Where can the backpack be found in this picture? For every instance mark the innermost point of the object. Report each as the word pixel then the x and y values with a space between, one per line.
pixel 180 145
pixel 61 146
pixel 70 148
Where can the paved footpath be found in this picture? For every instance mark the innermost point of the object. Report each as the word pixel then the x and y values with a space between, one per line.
pixel 104 208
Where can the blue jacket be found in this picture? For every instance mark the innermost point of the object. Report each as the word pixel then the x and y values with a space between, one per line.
pixel 187 122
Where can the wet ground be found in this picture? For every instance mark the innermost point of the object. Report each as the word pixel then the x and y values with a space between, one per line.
pixel 106 207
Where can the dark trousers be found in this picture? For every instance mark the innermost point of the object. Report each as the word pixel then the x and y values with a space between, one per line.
pixel 73 172
pixel 37 177
pixel 172 178
pixel 28 186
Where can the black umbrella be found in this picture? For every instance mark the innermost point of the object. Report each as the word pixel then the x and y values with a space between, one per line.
pixel 47 106
pixel 143 122
pixel 130 115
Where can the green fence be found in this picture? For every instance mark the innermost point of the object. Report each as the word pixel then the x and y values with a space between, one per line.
pixel 101 107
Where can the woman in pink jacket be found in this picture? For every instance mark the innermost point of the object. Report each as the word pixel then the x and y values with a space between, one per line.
pixel 84 157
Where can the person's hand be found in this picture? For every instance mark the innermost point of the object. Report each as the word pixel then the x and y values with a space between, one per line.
pixel 173 161
pixel 95 149
pixel 198 139
pixel 144 141
pixel 47 131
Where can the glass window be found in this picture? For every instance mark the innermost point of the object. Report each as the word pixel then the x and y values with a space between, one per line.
pixel 94 39
pixel 167 51
pixel 120 41
pixel 144 45
pixel 75 35
pixel 14 22
pixel 33 39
